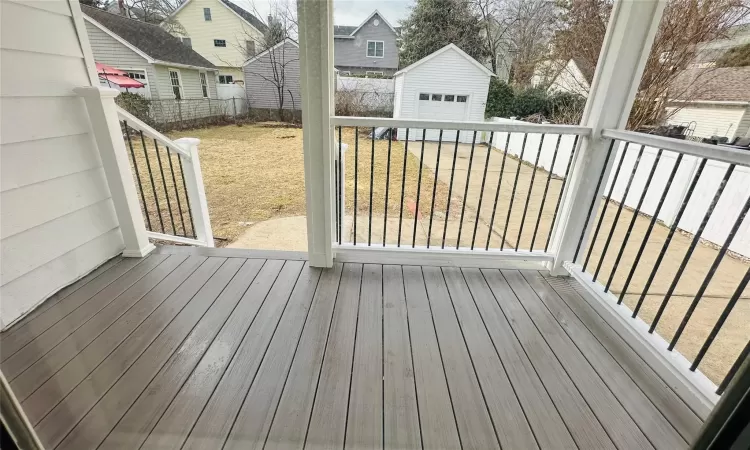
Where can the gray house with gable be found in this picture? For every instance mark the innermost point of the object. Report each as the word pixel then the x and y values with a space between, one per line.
pixel 367 49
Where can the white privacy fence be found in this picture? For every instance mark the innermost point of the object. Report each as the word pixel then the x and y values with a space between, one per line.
pixel 372 94
pixel 527 147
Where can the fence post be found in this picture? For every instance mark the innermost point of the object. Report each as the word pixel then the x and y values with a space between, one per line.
pixel 626 47
pixel 196 190
pixel 234 106
pixel 107 132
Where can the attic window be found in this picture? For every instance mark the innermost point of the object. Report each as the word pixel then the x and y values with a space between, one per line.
pixel 220 43
pixel 375 49
pixel 207 14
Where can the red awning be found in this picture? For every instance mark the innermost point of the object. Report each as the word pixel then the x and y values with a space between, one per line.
pixel 122 81
pixel 109 70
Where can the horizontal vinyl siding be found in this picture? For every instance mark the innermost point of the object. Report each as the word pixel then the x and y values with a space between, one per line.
pixel 57 221
pixel 743 129
pixel 353 52
pixel 224 24
pixel 263 93
pixel 448 73
pixel 711 120
pixel 110 51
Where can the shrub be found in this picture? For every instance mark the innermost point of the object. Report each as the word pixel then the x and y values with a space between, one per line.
pixel 499 99
pixel 529 102
pixel 561 107
pixel 136 105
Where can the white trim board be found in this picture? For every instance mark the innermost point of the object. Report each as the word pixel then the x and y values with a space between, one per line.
pixel 368 19
pixel 255 58
pixel 423 256
pixel 440 52
pixel 694 388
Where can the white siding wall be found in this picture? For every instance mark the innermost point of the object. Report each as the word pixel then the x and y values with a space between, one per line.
pixel 57 219
pixel 570 79
pixel 743 129
pixel 398 86
pixel 450 73
pixel 719 120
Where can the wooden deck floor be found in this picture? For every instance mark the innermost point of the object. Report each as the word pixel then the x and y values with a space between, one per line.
pixel 191 348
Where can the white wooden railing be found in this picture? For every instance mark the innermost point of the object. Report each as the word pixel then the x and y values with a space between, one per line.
pixel 156 183
pixel 172 193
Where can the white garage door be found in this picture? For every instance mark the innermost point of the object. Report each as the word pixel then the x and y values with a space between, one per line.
pixel 433 106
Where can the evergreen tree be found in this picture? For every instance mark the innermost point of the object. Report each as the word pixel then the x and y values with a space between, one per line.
pixel 433 24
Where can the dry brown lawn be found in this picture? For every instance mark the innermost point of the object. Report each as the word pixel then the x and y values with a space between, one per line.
pixel 255 172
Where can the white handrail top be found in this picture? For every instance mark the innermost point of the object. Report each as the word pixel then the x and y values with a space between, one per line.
pixel 140 125
pixel 699 149
pixel 460 125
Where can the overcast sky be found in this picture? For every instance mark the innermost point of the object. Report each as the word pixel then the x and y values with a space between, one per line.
pixel 346 12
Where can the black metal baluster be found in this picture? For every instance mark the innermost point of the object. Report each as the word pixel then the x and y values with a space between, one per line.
pixel 176 192
pixel 594 200
pixel 592 242
pixel 372 174
pixel 356 171
pixel 481 191
pixel 720 322
pixel 513 192
pixel 138 176
pixel 450 189
pixel 403 188
pixel 672 230
pixel 710 274
pixel 633 219
pixel 164 183
pixel 497 192
pixel 544 195
pixel 617 214
pixel 733 370
pixel 153 185
pixel 466 190
pixel 560 195
pixel 339 190
pixel 387 185
pixel 434 187
pixel 693 244
pixel 419 192
pixel 184 186
pixel 531 188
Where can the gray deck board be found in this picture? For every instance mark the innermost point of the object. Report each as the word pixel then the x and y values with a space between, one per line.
pixel 365 423
pixel 401 415
pixel 135 426
pixel 475 425
pixel 662 434
pixel 212 349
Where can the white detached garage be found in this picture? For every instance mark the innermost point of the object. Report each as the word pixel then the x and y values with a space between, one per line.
pixel 446 85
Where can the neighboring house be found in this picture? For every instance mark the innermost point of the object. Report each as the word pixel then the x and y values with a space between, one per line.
pixel 708 52
pixel 224 33
pixel 574 76
pixel 445 85
pixel 368 49
pixel 712 103
pixel 272 71
pixel 151 55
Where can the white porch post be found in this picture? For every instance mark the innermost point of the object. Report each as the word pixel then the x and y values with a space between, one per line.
pixel 316 62
pixel 105 126
pixel 196 190
pixel 627 44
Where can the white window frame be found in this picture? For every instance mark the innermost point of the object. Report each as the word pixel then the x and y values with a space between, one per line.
pixel 179 80
pixel 373 72
pixel 218 80
pixel 203 78
pixel 367 49
pixel 210 17
pixel 145 72
pixel 220 46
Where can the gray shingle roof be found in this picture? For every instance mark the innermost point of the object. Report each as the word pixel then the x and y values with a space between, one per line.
pixel 343 30
pixel 724 84
pixel 150 39
pixel 249 18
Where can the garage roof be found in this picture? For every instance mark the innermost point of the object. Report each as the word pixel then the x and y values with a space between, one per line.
pixel 441 51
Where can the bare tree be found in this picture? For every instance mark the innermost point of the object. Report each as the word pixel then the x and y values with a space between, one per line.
pixel 685 24
pixel 152 11
pixel 530 30
pixel 496 28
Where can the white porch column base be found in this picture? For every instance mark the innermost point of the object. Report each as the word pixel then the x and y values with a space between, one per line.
pixel 626 47
pixel 105 126
pixel 316 60
pixel 196 190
